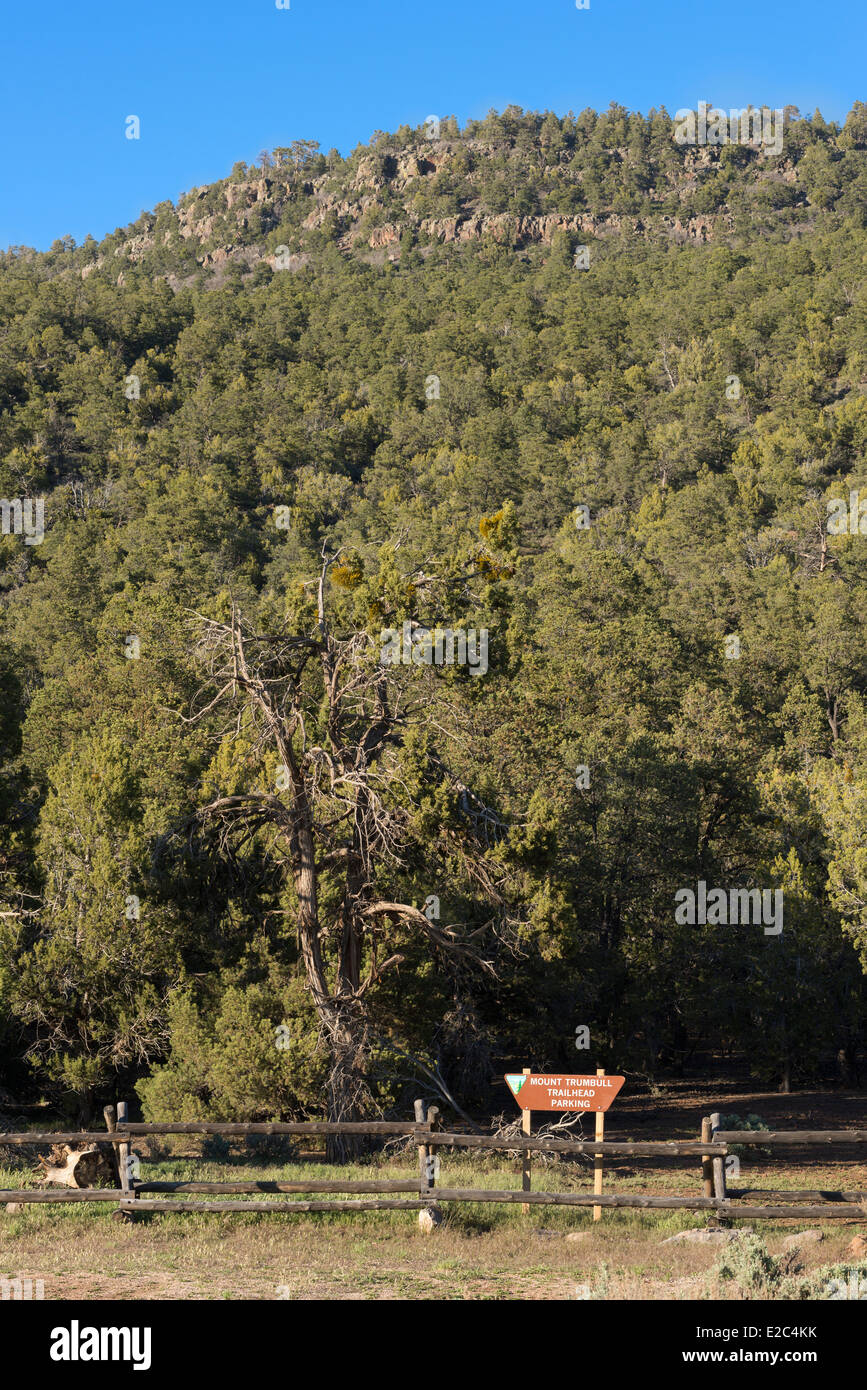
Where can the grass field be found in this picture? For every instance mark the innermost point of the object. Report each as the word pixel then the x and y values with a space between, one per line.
pixel 480 1251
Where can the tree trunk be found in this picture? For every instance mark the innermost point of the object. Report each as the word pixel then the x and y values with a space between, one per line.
pixel 348 1094
pixel 342 1017
pixel 847 1065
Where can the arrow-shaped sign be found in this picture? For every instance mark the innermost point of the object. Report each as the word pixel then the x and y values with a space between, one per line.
pixel 568 1093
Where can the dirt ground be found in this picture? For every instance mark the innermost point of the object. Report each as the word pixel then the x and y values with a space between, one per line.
pixel 480 1252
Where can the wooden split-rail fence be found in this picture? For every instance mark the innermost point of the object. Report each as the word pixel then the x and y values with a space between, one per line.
pixel 423 1193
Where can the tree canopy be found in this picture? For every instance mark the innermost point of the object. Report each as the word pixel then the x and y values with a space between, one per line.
pixel 639 477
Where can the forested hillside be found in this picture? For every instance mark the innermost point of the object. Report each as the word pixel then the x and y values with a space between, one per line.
pixel 257 871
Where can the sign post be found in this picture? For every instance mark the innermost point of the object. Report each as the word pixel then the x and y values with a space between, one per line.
pixel 597 1161
pixel 527 1126
pixel 567 1093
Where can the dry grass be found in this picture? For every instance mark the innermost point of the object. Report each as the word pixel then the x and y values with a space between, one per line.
pixel 480 1252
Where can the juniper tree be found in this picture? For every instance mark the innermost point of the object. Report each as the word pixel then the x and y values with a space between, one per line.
pixel 365 798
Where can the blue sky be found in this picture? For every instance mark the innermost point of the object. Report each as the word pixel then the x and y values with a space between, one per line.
pixel 213 81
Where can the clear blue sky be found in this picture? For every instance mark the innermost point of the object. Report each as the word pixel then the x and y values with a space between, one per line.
pixel 213 81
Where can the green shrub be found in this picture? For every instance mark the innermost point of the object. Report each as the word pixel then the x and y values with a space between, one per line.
pixel 224 1061
pixel 751 1122
pixel 758 1274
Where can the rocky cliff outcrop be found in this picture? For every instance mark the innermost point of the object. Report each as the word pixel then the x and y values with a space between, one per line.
pixel 370 203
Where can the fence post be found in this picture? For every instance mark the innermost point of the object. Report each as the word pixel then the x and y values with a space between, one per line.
pixel 420 1119
pixel 719 1167
pixel 111 1126
pixel 429 1217
pixel 124 1213
pixel 433 1120
pixel 598 1159
pixel 706 1164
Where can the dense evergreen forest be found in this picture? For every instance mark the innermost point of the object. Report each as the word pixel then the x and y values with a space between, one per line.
pixel 255 870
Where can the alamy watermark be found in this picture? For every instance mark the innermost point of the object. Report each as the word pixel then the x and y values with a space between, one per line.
pixel 423 646
pixel 738 906
pixel 24 516
pixel 21 1290
pixel 853 1288
pixel 853 520
pixel 711 126
pixel 77 1343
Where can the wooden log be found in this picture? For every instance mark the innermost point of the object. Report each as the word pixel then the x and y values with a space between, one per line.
pixel 649 1149
pixel 433 1119
pixel 71 1136
pixel 61 1194
pixel 408 1127
pixel 706 1160
pixel 793 1136
pixel 78 1165
pixel 432 1217
pixel 677 1148
pixel 126 1131
pixel 421 1119
pixel 110 1116
pixel 429 1217
pixel 375 1204
pixel 124 1134
pixel 577 1199
pixel 123 1153
pixel 718 1163
pixel 124 1213
pixel 314 1185
pixel 588 1199
pixel 831 1212
pixel 799 1195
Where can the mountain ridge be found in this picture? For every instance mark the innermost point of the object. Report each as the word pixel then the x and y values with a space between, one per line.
pixel 517 178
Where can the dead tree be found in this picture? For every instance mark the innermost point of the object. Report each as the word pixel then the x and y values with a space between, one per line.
pixel 79 1165
pixel 339 816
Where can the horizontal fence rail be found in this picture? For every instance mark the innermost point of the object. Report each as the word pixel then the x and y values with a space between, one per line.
pixel 70 1136
pixel 125 1133
pixel 640 1200
pixel 60 1194
pixel 730 1211
pixel 382 1204
pixel 647 1149
pixel 315 1185
pixel 792 1136
pixel 422 1192
pixel 392 1127
pixel 803 1195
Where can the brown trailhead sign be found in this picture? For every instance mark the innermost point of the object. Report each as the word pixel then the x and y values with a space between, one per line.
pixel 563 1092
